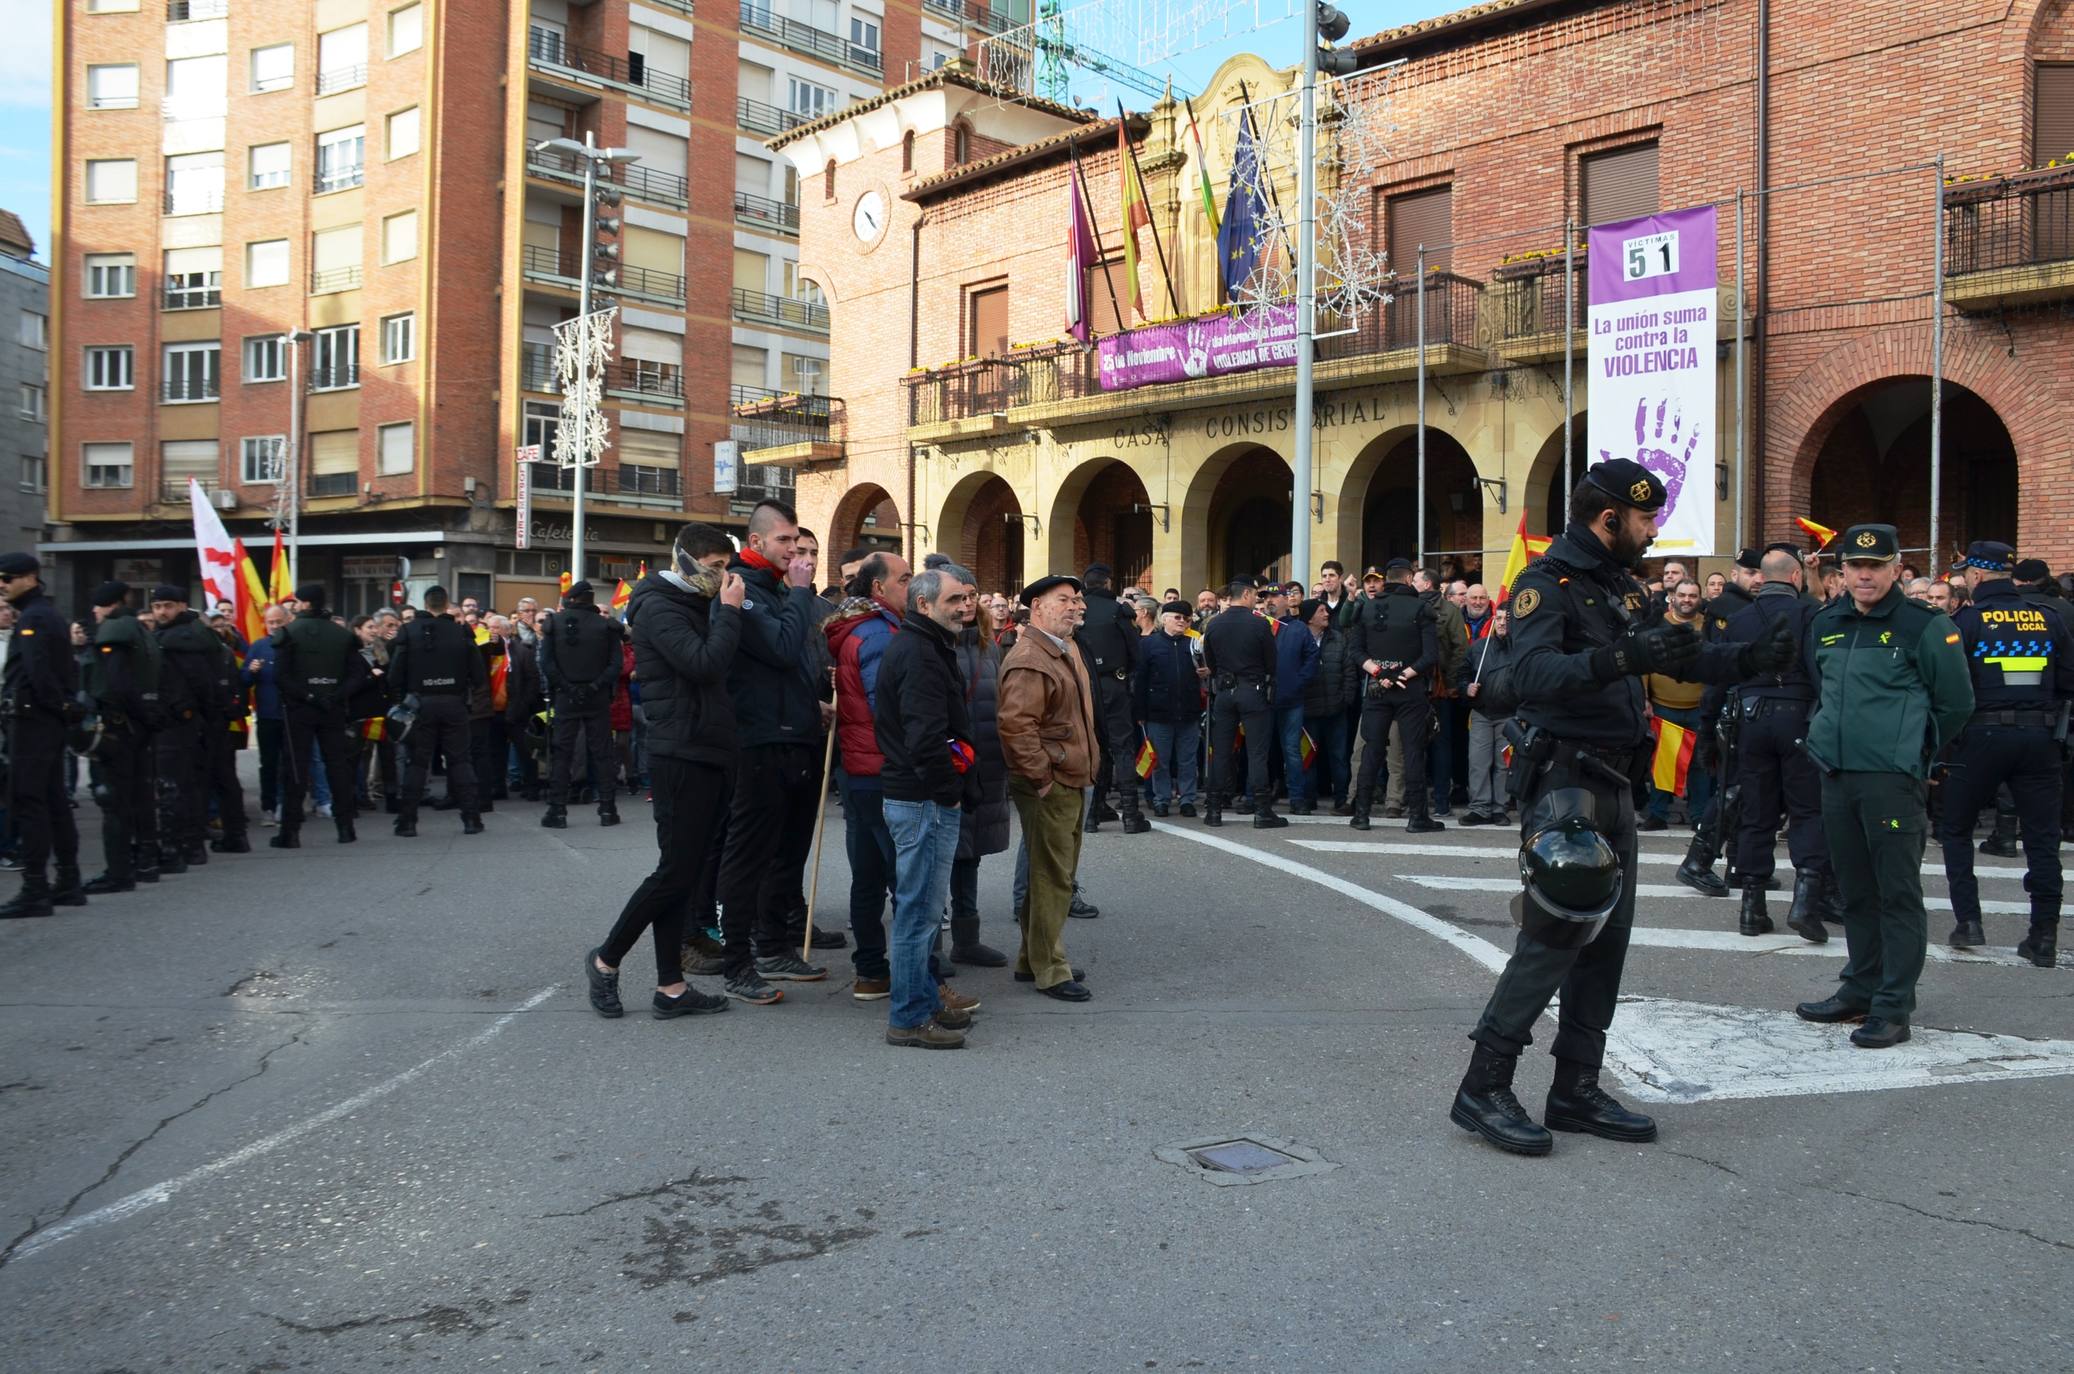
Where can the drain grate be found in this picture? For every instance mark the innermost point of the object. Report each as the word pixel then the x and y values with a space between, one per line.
pixel 1225 1160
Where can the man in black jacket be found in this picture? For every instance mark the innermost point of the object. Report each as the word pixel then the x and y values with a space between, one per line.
pixel 686 620
pixel 579 653
pixel 191 685
pixel 434 663
pixel 1396 642
pixel 924 732
pixel 318 665
pixel 1239 651
pixel 40 689
pixel 1108 639
pixel 122 692
pixel 1169 699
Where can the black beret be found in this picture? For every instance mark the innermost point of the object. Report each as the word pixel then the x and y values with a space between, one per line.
pixel 16 564
pixel 109 593
pixel 1753 559
pixel 933 561
pixel 1045 584
pixel 2031 570
pixel 1397 565
pixel 1870 544
pixel 312 592
pixel 166 591
pixel 1098 572
pixel 580 591
pixel 1629 483
pixel 1990 555
pixel 1177 608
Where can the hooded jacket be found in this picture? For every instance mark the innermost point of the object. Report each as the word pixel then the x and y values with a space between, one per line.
pixel 983 829
pixel 857 635
pixel 777 700
pixel 684 644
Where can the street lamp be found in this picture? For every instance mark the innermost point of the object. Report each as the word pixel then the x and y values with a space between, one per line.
pixel 594 159
pixel 292 478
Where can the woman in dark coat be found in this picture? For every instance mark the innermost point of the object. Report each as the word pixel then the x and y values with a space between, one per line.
pixel 983 830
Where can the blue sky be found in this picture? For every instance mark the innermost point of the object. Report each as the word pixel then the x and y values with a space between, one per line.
pixel 25 92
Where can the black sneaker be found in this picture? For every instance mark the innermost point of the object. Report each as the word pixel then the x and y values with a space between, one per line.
pixel 830 939
pixel 789 968
pixel 1188 809
pixel 748 986
pixel 690 1002
pixel 604 988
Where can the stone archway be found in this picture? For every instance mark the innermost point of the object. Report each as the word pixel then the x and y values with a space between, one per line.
pixel 1381 492
pixel 865 518
pixel 1102 513
pixel 983 528
pixel 1547 488
pixel 1874 465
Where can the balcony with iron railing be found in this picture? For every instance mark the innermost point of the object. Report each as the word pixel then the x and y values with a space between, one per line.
pixel 537 369
pixel 761 307
pixel 551 54
pixel 759 118
pixel 334 279
pixel 1529 298
pixel 181 389
pixel 642 183
pixel 805 38
pixel 764 212
pixel 196 200
pixel 641 380
pixel 971 15
pixel 649 283
pixel 786 427
pixel 181 295
pixel 180 11
pixel 549 265
pixel 651 488
pixel 2009 241
pixel 341 178
pixel 172 491
pixel 341 79
pixel 333 483
pixel 334 376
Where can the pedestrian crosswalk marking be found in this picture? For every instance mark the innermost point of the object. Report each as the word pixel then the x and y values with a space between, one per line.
pixel 1661 892
pixel 1388 849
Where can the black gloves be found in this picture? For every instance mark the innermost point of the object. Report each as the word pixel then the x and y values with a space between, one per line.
pixel 1668 649
pixel 1772 654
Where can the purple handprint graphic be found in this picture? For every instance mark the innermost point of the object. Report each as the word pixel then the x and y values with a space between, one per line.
pixel 1659 451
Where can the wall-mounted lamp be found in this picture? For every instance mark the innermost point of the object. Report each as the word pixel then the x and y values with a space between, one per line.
pixel 1146 510
pixel 1495 487
pixel 1016 517
pixel 1317 508
pixel 1721 481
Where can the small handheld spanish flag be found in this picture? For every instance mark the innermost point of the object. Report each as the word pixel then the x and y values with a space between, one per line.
pixel 621 595
pixel 1821 534
pixel 1148 759
pixel 568 579
pixel 1305 749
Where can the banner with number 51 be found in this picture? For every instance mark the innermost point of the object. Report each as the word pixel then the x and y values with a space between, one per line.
pixel 1652 366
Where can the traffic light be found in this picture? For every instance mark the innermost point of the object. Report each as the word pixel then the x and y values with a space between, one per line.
pixel 1333 26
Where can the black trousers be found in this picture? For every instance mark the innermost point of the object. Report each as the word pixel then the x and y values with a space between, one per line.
pixel 269 763
pixel 302 729
pixel 1409 709
pixel 596 729
pixel 1118 737
pixel 486 751
pixel 224 785
pixel 125 787
pixel 441 728
pixel 36 801
pixel 183 784
pixel 1587 978
pixel 1244 704
pixel 1982 759
pixel 689 799
pixel 774 800
pixel 1778 779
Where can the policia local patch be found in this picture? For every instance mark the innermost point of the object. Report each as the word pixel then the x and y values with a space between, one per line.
pixel 1526 601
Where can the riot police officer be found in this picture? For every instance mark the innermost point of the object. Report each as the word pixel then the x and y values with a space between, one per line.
pixel 1396 637
pixel 434 666
pixel 1581 646
pixel 318 665
pixel 39 694
pixel 1716 828
pixel 224 741
pixel 1108 639
pixel 122 693
pixel 191 677
pixel 1773 775
pixel 580 657
pixel 2022 662
pixel 1239 651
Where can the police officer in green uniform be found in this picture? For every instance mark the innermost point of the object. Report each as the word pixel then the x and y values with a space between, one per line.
pixel 122 693
pixel 1892 687
pixel 40 692
pixel 1581 644
pixel 2022 660
pixel 191 678
pixel 318 664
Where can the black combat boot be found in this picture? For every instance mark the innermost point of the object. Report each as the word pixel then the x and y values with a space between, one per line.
pixel 232 844
pixel 1264 817
pixel 1804 916
pixel 1755 920
pixel 194 855
pixel 1697 872
pixel 1213 808
pixel 1485 1106
pixel 1134 822
pixel 1421 822
pixel 608 812
pixel 1967 934
pixel 110 881
pixel 556 817
pixel 1576 1102
pixel 1360 819
pixel 2001 841
pixel 169 861
pixel 346 833
pixel 2041 946
pixel 471 824
pixel 32 900
pixel 407 824
pixel 67 889
pixel 289 838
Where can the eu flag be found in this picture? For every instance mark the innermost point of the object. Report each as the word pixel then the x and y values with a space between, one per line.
pixel 1245 213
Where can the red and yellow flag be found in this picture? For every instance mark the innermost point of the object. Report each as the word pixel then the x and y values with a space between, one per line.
pixel 1136 214
pixel 1148 759
pixel 1525 549
pixel 279 581
pixel 1306 750
pixel 500 668
pixel 252 597
pixel 621 595
pixel 1673 762
pixel 1821 534
pixel 567 581
pixel 374 727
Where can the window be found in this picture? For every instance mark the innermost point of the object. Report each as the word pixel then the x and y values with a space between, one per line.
pixel 110 276
pixel 805 376
pixel 273 68
pixel 399 338
pixel 828 180
pixel 196 87
pixel 335 259
pixel 864 34
pixel 395 448
pixel 35 472
pixel 194 278
pixel 269 166
pixel 341 157
pixel 111 367
pixel 806 98
pixel 342 59
pixel 32 404
pixel 180 460
pixel 2052 136
pixel 400 237
pixel 262 458
pixel 111 181
pixel 907 151
pixel 194 183
pixel 111 6
pixel 406 30
pixel 747 367
pixel 106 465
pixel 193 372
pixel 33 330
pixel 1419 218
pixel 334 462
pixel 961 143
pixel 986 318
pixel 1620 184
pixel 400 133
pixel 266 263
pixel 335 358
pixel 112 87
pixel 266 358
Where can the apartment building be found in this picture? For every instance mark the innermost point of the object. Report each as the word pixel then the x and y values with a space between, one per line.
pixel 24 385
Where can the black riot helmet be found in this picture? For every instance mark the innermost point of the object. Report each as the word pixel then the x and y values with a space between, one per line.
pixel 1572 876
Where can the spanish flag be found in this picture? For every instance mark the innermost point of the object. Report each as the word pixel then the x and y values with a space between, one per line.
pixel 1305 749
pixel 1674 746
pixel 252 597
pixel 621 595
pixel 1525 549
pixel 374 727
pixel 568 580
pixel 1821 534
pixel 1148 759
pixel 280 582
pixel 1135 213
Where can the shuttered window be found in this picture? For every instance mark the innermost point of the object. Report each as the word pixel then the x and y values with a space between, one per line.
pixel 752 271
pixel 987 322
pixel 1421 217
pixel 749 367
pixel 652 249
pixel 1620 184
pixel 2052 114
pixel 647 449
pixel 335 450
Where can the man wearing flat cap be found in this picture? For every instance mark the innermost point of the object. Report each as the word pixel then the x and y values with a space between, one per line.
pixel 318 666
pixel 1582 644
pixel 1893 687
pixel 40 690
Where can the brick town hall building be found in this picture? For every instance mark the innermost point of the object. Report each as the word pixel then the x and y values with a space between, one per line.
pixel 934 221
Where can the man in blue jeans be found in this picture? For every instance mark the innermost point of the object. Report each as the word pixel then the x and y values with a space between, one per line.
pixel 1169 699
pixel 1296 663
pixel 857 636
pixel 924 733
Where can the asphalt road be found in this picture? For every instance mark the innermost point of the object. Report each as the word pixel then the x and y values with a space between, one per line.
pixel 346 1109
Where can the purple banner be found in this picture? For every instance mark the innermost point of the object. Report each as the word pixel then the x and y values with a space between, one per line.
pixel 1207 347
pixel 1656 255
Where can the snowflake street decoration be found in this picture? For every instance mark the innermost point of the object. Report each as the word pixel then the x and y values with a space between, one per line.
pixel 583 346
pixel 1117 41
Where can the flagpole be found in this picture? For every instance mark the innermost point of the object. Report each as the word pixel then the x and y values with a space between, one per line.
pixel 1307 300
pixel 1151 220
pixel 1094 227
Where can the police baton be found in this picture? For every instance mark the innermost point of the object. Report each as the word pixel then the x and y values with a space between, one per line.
pixel 806 943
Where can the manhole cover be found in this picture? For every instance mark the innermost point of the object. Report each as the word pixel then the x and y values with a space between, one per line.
pixel 1226 1160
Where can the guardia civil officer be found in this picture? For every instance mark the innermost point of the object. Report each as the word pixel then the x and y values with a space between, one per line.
pixel 1581 646
pixel 1108 639
pixel 1773 774
pixel 2022 664
pixel 434 665
pixel 191 678
pixel 318 665
pixel 223 742
pixel 39 691
pixel 1239 651
pixel 579 655
pixel 1716 828
pixel 122 697
pixel 1892 688
pixel 1396 639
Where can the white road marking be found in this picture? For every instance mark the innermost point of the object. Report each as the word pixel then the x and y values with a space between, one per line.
pixel 1664 937
pixel 1663 892
pixel 1511 852
pixel 163 1192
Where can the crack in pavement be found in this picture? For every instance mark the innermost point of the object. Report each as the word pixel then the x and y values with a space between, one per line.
pixel 38 1222
pixel 1702 1159
pixel 1956 1221
pixel 441 1320
pixel 669 1189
